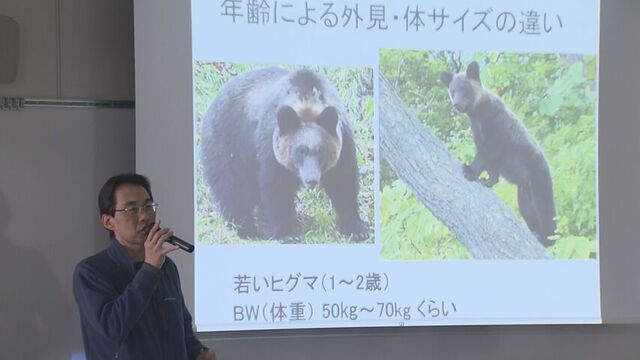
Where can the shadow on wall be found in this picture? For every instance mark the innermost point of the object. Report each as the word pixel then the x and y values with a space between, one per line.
pixel 33 308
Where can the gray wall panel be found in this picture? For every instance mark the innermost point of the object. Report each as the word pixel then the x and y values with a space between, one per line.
pixel 96 44
pixel 53 162
pixel 619 139
pixel 73 49
pixel 38 54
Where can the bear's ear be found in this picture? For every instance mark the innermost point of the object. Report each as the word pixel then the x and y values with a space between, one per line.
pixel 288 120
pixel 473 71
pixel 445 78
pixel 328 119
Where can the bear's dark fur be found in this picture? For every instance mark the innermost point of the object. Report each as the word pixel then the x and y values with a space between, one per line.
pixel 269 131
pixel 504 147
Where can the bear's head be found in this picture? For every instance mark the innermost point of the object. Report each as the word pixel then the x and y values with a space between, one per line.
pixel 308 135
pixel 307 142
pixel 464 89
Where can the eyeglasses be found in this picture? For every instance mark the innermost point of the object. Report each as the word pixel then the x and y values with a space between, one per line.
pixel 136 210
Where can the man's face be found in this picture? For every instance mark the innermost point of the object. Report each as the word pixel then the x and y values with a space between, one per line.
pixel 130 228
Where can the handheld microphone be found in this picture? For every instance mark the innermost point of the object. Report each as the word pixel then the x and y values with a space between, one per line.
pixel 174 240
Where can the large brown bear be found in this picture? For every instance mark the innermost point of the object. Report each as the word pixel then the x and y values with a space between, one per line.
pixel 268 132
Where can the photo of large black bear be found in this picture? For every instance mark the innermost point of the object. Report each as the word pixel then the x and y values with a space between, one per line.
pixel 504 147
pixel 269 133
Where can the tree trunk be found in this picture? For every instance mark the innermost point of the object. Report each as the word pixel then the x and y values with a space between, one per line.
pixel 473 213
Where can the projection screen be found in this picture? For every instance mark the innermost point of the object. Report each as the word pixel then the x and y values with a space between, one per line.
pixel 361 164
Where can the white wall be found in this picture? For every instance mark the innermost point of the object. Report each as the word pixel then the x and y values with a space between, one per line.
pixel 163 64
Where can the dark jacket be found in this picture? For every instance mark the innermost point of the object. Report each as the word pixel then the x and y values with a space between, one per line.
pixel 129 311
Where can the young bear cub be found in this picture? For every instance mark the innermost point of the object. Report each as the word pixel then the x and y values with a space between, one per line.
pixel 504 147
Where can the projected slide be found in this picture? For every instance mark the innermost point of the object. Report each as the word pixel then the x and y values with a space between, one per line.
pixel 365 163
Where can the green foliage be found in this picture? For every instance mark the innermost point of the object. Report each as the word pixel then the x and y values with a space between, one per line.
pixel 411 233
pixel 554 96
pixel 314 209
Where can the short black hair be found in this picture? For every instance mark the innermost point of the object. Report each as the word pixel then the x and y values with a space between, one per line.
pixel 107 195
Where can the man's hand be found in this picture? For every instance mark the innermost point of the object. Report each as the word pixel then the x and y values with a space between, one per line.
pixel 208 354
pixel 154 252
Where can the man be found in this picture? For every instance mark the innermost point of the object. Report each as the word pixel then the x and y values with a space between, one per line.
pixel 129 297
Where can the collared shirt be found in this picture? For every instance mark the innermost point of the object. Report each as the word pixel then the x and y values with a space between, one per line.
pixel 132 311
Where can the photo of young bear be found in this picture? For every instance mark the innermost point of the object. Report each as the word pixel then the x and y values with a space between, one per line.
pixel 268 133
pixel 504 147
